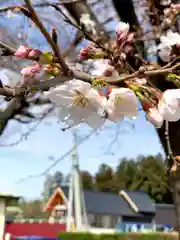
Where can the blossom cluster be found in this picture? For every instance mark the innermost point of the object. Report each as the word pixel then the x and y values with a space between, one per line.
pixel 78 101
pixel 44 64
pixel 169 42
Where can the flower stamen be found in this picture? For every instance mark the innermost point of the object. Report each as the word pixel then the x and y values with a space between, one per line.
pixel 79 100
pixel 117 100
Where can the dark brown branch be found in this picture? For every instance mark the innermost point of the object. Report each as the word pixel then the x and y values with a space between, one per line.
pixel 80 75
pixel 13 106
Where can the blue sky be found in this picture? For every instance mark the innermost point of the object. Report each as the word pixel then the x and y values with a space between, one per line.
pixel 31 156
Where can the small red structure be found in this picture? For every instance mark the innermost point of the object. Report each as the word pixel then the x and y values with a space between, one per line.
pixel 44 229
pixel 35 229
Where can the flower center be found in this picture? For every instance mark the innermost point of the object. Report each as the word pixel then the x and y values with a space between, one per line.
pixel 117 101
pixel 80 100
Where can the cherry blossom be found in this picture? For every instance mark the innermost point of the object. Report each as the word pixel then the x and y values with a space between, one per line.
pixel 155 117
pixel 171 38
pixel 68 116
pixel 165 47
pixel 140 81
pixel 130 38
pixel 88 23
pixel 79 102
pixel 165 2
pixel 103 68
pixel 165 52
pixel 176 6
pixel 122 31
pixel 169 105
pixel 71 117
pixel 122 102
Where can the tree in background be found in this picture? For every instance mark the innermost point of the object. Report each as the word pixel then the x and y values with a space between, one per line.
pixel 32 209
pixel 87 180
pixel 147 173
pixel 104 179
pixel 143 173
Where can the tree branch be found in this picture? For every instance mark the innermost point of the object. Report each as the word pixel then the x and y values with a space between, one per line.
pixel 47 36
pixel 9 112
pixel 26 134
pixel 46 171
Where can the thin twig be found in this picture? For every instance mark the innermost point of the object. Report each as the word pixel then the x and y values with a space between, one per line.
pixel 47 36
pixel 19 91
pixel 114 141
pixel 168 145
pixel 26 134
pixel 83 76
pixel 86 34
pixel 46 171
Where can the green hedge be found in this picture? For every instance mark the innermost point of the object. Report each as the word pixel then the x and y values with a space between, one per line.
pixel 121 236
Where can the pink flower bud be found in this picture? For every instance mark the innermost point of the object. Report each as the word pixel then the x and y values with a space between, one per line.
pixel 84 54
pixel 176 6
pixel 108 72
pixel 130 37
pixel 140 81
pixel 22 51
pixel 34 53
pixel 155 117
pixel 146 103
pixel 87 52
pixel 127 48
pixel 29 74
pixel 122 56
pixel 122 31
pixel 156 93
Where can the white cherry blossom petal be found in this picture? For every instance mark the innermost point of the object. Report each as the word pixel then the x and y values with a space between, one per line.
pixel 69 116
pixel 77 101
pixel 64 93
pixel 165 52
pixel 95 121
pixel 169 105
pixel 101 66
pixel 72 117
pixel 114 117
pixel 155 117
pixel 89 24
pixel 122 26
pixel 122 102
pixel 95 100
